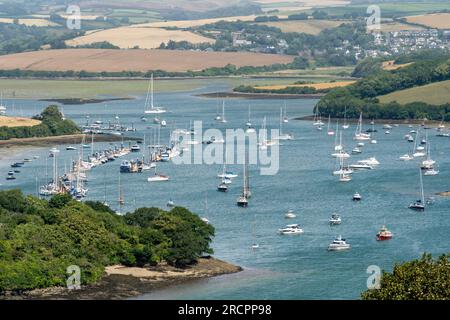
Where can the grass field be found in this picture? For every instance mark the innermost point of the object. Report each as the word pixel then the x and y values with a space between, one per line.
pixel 31 22
pixel 6 121
pixel 435 93
pixel 143 37
pixel 306 26
pixel 97 60
pixel 89 89
pixel 318 85
pixel 437 20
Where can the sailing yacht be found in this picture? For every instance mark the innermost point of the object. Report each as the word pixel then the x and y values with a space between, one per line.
pixel 340 149
pixel 419 205
pixel 2 107
pixel 286 136
pixel 330 131
pixel 242 201
pixel 429 163
pixel 223 120
pixel 285 118
pixel 335 219
pixel 373 140
pixel 157 177
pixel 359 135
pixel 290 214
pixel 345 125
pixel 218 117
pixel 152 109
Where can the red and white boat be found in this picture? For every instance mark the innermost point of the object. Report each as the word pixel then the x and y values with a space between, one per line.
pixel 384 234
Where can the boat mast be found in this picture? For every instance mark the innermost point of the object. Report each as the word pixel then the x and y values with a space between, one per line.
pixel 421 187
pixel 152 92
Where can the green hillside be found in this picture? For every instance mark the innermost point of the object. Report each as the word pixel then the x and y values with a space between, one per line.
pixel 436 93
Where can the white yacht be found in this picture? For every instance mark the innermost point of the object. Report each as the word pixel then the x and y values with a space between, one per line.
pixel 406 157
pixel 356 197
pixel 291 229
pixel 149 106
pixel 370 161
pixel 359 135
pixel 290 215
pixel 338 244
pixel 360 166
pixel 335 219
pixel 431 172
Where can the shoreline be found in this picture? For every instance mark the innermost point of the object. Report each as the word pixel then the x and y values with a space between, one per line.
pixel 379 121
pixel 122 282
pixel 81 101
pixel 244 95
pixel 444 194
pixel 66 139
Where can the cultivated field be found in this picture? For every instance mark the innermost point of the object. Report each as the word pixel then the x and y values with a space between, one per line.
pixel 318 86
pixel 192 23
pixel 97 60
pixel 142 37
pixel 17 122
pixel 31 22
pixel 306 26
pixel 397 26
pixel 435 20
pixel 435 93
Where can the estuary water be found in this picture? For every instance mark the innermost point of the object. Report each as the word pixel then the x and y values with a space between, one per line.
pixel 284 267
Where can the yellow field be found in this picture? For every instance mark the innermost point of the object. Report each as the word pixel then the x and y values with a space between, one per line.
pixel 397 26
pixel 306 26
pixel 30 22
pixel 318 86
pixel 143 37
pixel 435 20
pixel 17 122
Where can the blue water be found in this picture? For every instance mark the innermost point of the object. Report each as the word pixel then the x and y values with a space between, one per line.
pixel 295 267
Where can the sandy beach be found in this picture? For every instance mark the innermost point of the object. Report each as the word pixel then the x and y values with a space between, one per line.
pixel 122 282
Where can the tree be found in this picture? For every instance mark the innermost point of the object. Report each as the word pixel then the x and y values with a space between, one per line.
pixel 420 279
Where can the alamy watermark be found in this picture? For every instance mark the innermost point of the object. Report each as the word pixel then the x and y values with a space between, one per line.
pixel 234 147
pixel 73 17
pixel 73 282
pixel 374 280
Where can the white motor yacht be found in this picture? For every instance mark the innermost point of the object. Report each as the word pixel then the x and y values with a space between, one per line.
pixel 338 244
pixel 335 219
pixel 290 215
pixel 291 229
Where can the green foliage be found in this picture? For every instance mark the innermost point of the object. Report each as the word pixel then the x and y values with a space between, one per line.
pixel 52 125
pixel 361 96
pixel 39 239
pixel 287 90
pixel 420 279
pixel 99 45
pixel 19 38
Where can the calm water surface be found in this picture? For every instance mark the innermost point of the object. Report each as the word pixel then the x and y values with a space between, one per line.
pixel 284 267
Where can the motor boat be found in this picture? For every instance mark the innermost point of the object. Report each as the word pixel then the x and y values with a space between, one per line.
pixel 384 234
pixel 222 187
pixel 340 154
pixel 431 172
pixel 342 171
pixel 406 157
pixel 227 175
pixel 70 148
pixel 291 229
pixel 360 144
pixel 345 178
pixel 360 166
pixel 338 244
pixel 356 150
pixel 170 204
pixel 357 197
pixel 158 178
pixel 387 126
pixel 387 132
pixel 290 215
pixel 370 161
pixel 335 219
pixel 135 148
